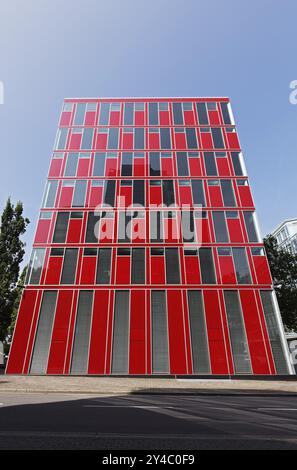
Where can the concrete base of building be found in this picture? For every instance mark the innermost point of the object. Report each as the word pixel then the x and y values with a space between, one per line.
pixel 257 385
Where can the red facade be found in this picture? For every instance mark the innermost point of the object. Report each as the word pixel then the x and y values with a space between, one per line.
pixel 147 257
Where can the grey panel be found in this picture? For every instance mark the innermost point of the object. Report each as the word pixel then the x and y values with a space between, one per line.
pixel 159 333
pixel 210 164
pixel 44 333
pixel 172 266
pixel 200 352
pixel 69 266
pixel 236 164
pixel 80 352
pixel 207 266
pixel 61 227
pixel 71 165
pixel 99 164
pixel 86 142
pixel 182 164
pixel 250 226
pixel 220 226
pixel 79 193
pixel 241 357
pixel 91 234
pixel 138 266
pixel 241 266
pixel 228 194
pixel 36 264
pixel 103 266
pixel 274 333
pixel 120 344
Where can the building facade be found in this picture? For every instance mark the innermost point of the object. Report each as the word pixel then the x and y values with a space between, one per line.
pixel 147 257
pixel 286 235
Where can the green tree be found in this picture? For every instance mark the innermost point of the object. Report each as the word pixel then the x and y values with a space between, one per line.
pixel 13 225
pixel 19 291
pixel 283 266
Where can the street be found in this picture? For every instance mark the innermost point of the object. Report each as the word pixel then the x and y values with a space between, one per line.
pixel 135 421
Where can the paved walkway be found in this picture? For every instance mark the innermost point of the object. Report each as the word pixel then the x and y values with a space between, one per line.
pixel 120 385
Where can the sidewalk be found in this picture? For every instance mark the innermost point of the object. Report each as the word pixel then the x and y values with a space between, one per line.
pixel 128 385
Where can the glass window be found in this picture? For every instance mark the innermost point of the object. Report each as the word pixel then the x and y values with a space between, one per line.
pixel 103 266
pixel 239 344
pixel 225 113
pixel 129 114
pixel 113 137
pixel 274 332
pixel 237 163
pixel 139 138
pixel 87 139
pixel 188 227
pixel 44 333
pixel 50 193
pixel 138 192
pixel 241 266
pixel 69 266
pixel 191 138
pixel 156 227
pixel 80 352
pixel 61 227
pixel 210 164
pixel 160 362
pixel 35 266
pixel 126 164
pixel 168 192
pixel 202 113
pixel 120 343
pixel 104 114
pixel 99 164
pixel 67 107
pixel 138 266
pixel 79 193
pixel 92 229
pixel 71 165
pixel 199 343
pixel 220 226
pixel 182 164
pixel 165 138
pixel 198 192
pixel 109 192
pixel 61 139
pixel 249 218
pixel 155 168
pixel 217 138
pixel 177 113
pixel 172 266
pixel 124 227
pixel 80 114
pixel 228 194
pixel 153 114
pixel 207 266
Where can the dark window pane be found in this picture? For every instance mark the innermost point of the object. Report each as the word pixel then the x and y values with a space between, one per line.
pixel 50 194
pixel 225 113
pixel 200 353
pixel 241 266
pixel 191 138
pixel 160 363
pixel 61 227
pixel 202 113
pixel 138 192
pixel 120 343
pixel 156 227
pixel 220 226
pixel 198 192
pixel 217 138
pixel 69 266
pixel 172 266
pixel 188 227
pixel 126 164
pixel 104 114
pixel 87 138
pixel 103 266
pixel 182 164
pixel 138 266
pixel 139 138
pixel 36 265
pixel 168 192
pixel 238 171
pixel 44 333
pixel 80 353
pixel 129 113
pixel 155 169
pixel 228 194
pixel 165 138
pixel 61 145
pixel 207 266
pixel 250 226
pixel 124 228
pixel 113 136
pixel 274 332
pixel 79 194
pixel 99 164
pixel 80 114
pixel 153 114
pixel 71 165
pixel 109 192
pixel 240 350
pixel 177 113
pixel 92 231
pixel 210 164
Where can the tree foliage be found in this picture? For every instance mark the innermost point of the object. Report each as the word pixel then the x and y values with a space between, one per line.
pixel 283 266
pixel 13 225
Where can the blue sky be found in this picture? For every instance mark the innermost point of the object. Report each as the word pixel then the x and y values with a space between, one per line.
pixel 53 49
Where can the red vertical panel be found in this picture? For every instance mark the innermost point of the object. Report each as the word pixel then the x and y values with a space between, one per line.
pixel 54 269
pixel 214 118
pixel 155 195
pixel 137 333
pixel 235 232
pixel 233 142
pixel 139 118
pixel 125 196
pixel 195 166
pixel 227 270
pixel 88 270
pixel 166 167
pixel 55 167
pixel 262 270
pixel 42 231
pixel 157 270
pixel 180 141
pixel 128 141
pixel 154 141
pixel 58 345
pixel 223 167
pixel 21 334
pixel 98 341
pixel 74 231
pixel 164 118
pixel 185 194
pixel 206 140
pixel 219 364
pixel 90 118
pixel 255 338
pixel 148 334
pixel 205 230
pixel 71 333
pixel 111 167
pixel 101 142
pixel 215 194
pixel 176 333
pixel 192 270
pixel 123 270
pixel 245 195
pixel 75 141
pixel 109 333
pixel 189 118
pixel 96 196
pixel 83 167
pixel 66 196
pixel 65 118
pixel 139 166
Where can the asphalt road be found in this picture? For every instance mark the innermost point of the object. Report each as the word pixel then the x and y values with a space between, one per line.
pixel 55 421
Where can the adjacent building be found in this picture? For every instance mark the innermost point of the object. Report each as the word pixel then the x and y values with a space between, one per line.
pixel 147 256
pixel 286 235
